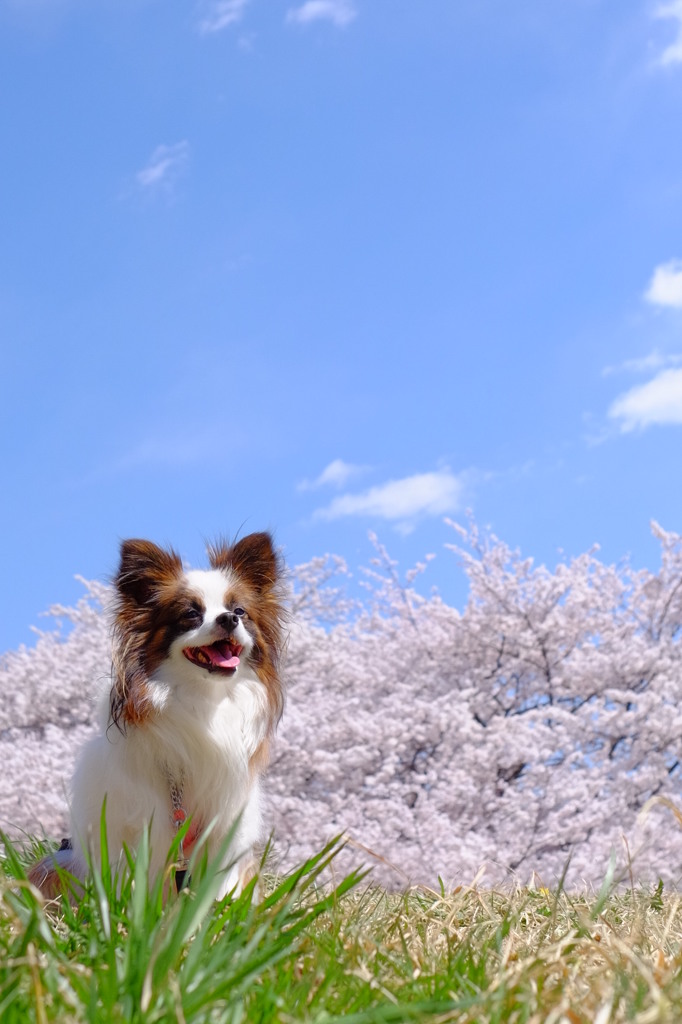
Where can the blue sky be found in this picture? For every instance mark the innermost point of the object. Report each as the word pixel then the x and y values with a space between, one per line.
pixel 336 266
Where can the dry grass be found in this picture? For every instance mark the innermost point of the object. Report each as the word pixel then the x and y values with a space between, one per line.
pixel 525 955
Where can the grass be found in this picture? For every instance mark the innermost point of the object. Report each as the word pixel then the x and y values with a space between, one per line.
pixel 348 952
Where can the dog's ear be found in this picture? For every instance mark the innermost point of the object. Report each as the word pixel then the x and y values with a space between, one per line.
pixel 144 568
pixel 253 558
pixel 130 700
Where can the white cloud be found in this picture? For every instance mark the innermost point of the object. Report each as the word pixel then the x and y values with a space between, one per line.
pixel 659 401
pixel 673 53
pixel 221 14
pixel 163 167
pixel 655 360
pixel 336 474
pixel 666 285
pixel 340 12
pixel 402 501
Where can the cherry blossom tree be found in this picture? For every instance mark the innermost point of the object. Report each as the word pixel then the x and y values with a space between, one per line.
pixel 535 724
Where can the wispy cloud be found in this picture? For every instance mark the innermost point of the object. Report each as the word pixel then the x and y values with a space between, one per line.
pixel 221 14
pixel 339 12
pixel 665 288
pixel 655 360
pixel 163 168
pixel 401 501
pixel 336 474
pixel 658 402
pixel 169 452
pixel 162 452
pixel 673 53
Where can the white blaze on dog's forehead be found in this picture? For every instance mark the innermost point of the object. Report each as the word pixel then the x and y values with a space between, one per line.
pixel 211 585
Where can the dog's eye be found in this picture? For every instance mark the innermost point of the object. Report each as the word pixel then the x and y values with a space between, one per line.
pixel 193 615
pixel 240 612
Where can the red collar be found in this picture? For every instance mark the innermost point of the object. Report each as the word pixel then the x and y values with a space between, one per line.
pixel 179 817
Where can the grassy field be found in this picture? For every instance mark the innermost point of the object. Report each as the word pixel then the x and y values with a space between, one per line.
pixel 319 953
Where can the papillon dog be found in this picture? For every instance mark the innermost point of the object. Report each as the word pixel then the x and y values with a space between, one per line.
pixel 186 726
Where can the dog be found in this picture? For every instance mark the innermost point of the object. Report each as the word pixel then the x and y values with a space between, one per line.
pixel 195 697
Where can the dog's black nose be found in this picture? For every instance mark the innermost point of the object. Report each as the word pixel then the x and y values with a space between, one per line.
pixel 228 620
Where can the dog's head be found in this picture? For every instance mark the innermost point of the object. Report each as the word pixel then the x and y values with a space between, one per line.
pixel 199 624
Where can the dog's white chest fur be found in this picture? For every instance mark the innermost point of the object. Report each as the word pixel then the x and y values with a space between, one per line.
pixel 196 743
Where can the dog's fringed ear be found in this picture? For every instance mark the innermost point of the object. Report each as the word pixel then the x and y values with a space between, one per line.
pixel 130 700
pixel 253 558
pixel 144 567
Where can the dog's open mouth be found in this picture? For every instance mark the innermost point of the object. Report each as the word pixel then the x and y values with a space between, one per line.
pixel 222 656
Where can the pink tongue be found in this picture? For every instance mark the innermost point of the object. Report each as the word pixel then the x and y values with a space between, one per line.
pixel 220 659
